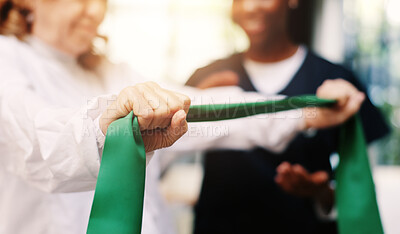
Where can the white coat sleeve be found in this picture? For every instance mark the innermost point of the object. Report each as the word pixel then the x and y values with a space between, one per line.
pixel 53 148
pixel 50 147
pixel 271 131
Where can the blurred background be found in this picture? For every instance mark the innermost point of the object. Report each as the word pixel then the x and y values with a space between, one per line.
pixel 166 40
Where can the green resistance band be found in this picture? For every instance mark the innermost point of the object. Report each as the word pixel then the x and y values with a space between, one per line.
pixel 118 201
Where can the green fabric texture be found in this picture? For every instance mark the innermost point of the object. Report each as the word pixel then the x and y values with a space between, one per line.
pixel 118 201
pixel 355 191
pixel 216 112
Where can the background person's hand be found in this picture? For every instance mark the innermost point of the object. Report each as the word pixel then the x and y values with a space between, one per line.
pixel 297 181
pixel 217 79
pixel 349 103
pixel 161 113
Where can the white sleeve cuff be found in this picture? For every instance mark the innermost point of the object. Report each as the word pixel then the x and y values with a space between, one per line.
pixel 149 156
pixel 100 138
pixel 323 215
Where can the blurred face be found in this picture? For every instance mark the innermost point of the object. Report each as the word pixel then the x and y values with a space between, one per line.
pixel 68 25
pixel 262 20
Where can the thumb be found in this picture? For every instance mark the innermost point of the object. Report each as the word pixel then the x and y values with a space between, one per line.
pixel 320 177
pixel 161 138
pixel 177 128
pixel 354 103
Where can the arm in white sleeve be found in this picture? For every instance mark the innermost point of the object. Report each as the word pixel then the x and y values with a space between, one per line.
pixel 270 131
pixel 52 148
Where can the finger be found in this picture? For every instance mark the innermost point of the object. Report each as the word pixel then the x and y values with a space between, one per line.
pixel 160 107
pixel 290 171
pixel 161 138
pixel 228 78
pixel 173 102
pixel 294 176
pixel 288 176
pixel 223 78
pixel 301 174
pixel 347 90
pixel 337 89
pixel 177 129
pixel 298 169
pixel 150 95
pixel 140 108
pixel 283 167
pixel 330 90
pixel 152 84
pixel 278 179
pixel 186 101
pixel 354 104
pixel 283 184
pixel 320 177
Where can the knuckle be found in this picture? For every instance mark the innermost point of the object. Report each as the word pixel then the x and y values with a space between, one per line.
pixel 140 86
pixel 341 80
pixel 147 115
pixel 173 109
pixel 151 84
pixel 160 116
pixel 328 83
pixel 126 90
pixel 186 100
pixel 321 90
pixel 167 112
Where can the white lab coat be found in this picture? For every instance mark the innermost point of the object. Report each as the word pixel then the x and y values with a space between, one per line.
pixel 50 145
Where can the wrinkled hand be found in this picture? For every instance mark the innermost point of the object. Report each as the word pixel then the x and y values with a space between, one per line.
pixel 222 78
pixel 296 180
pixel 349 102
pixel 161 113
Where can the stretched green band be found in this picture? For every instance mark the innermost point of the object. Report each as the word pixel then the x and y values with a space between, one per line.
pixel 355 191
pixel 216 112
pixel 118 202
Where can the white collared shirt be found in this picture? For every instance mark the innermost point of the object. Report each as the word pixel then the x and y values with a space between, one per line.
pixel 271 78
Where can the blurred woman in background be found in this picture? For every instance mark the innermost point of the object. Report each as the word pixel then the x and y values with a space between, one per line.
pixel 260 191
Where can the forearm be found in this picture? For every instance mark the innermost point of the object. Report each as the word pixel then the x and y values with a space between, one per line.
pixel 54 149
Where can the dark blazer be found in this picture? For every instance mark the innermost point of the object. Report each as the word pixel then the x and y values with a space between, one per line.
pixel 239 194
